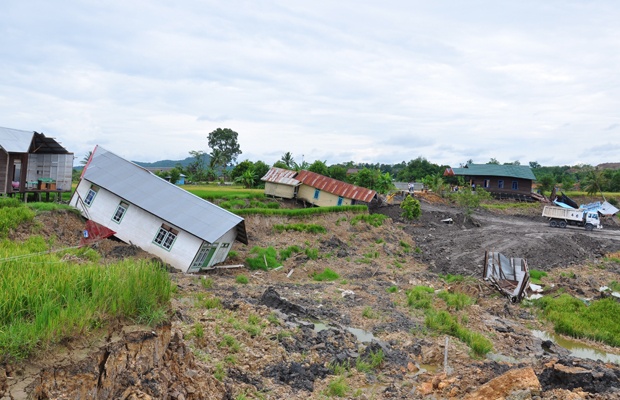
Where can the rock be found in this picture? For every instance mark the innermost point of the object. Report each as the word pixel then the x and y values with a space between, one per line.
pixel 517 381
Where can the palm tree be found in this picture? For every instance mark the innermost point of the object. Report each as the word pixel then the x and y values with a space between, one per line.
pixel 86 158
pixel 594 182
pixel 287 159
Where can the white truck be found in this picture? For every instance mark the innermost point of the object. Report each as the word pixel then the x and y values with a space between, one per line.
pixel 560 217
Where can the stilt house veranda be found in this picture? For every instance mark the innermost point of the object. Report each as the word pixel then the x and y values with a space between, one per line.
pixel 30 162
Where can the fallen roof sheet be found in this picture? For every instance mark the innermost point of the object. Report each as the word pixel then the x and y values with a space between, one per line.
pixel 510 276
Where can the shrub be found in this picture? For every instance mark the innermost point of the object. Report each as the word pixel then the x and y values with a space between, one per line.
pixel 242 279
pixel 326 275
pixel 392 289
pixel 411 208
pixel 338 387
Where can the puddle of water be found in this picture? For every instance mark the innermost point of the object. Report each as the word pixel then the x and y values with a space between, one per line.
pixel 429 368
pixel 361 335
pixel 578 349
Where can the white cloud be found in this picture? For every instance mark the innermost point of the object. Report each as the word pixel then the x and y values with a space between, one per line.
pixel 340 81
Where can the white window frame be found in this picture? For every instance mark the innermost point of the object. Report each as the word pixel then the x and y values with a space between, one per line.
pixel 90 195
pixel 120 212
pixel 165 237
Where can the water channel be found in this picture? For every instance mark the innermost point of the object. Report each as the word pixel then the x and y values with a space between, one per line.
pixel 578 349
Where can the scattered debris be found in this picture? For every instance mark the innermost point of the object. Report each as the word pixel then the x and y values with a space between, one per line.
pixel 510 276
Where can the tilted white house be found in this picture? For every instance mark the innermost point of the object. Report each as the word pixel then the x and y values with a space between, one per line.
pixel 182 229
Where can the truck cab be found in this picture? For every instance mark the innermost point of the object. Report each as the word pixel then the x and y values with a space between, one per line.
pixel 591 220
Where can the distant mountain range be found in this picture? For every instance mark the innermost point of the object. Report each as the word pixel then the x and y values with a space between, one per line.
pixel 172 163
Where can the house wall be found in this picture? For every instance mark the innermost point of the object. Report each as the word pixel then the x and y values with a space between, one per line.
pixel 524 185
pixel 138 227
pixel 325 199
pixel 55 166
pixel 279 190
pixel 5 179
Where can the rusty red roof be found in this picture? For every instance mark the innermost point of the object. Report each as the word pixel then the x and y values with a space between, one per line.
pixel 281 175
pixel 336 187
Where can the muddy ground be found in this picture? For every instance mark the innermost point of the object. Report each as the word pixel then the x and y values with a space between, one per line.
pixel 281 334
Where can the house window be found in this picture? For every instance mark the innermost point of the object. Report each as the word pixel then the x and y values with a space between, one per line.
pixel 165 236
pixel 120 212
pixel 340 200
pixel 225 245
pixel 515 185
pixel 486 183
pixel 90 196
pixel 316 194
pixel 500 184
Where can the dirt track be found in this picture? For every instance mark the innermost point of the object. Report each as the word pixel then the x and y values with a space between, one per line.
pixel 459 248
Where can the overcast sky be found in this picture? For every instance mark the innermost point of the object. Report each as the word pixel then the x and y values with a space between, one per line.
pixel 366 81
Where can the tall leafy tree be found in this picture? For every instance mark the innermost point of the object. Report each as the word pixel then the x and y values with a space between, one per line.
pixel 319 167
pixel 224 144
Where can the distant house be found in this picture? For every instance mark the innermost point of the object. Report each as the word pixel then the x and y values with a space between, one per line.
pixel 280 182
pixel 32 162
pixel 180 181
pixel 500 180
pixel 314 188
pixel 324 191
pixel 182 229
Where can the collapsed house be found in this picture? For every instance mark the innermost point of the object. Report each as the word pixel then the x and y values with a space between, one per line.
pixel 510 276
pixel 30 162
pixel 313 188
pixel 143 209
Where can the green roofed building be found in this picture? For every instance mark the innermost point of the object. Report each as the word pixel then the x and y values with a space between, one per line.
pixel 511 181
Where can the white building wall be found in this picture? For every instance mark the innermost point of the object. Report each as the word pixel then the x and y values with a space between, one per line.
pixel 325 199
pixel 138 227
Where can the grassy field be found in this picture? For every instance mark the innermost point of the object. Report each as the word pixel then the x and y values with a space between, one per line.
pixel 48 295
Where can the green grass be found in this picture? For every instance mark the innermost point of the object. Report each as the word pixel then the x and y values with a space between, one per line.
pixel 310 228
pixel 570 316
pixel 369 313
pixel 289 251
pixel 456 301
pixel 392 289
pixel 242 279
pixel 420 297
pixel 12 215
pixel 375 220
pixel 449 278
pixel 326 275
pixel 444 322
pixel 264 259
pixel 44 299
pixel 312 254
pixel 302 212
pixel 338 387
pixel 406 246
pixel 536 276
pixel 229 342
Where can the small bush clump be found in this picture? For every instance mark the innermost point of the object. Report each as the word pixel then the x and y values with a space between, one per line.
pixel 327 275
pixel 242 279
pixel 310 228
pixel 264 259
pixel 375 220
pixel 420 297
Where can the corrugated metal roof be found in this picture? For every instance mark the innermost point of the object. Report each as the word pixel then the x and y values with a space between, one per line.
pixel 281 176
pixel 335 186
pixel 172 204
pixel 15 140
pixel 513 171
